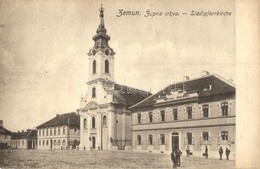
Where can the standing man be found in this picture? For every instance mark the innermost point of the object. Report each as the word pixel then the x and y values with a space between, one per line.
pixel 188 151
pixel 227 153
pixel 178 154
pixel 174 158
pixel 220 151
pixel 206 152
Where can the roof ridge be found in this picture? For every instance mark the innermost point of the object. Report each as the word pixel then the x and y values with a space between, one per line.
pixel 132 88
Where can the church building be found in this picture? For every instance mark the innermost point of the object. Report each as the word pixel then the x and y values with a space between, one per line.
pixel 105 118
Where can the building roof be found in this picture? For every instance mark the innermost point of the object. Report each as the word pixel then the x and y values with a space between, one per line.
pixel 128 96
pixel 62 119
pixel 4 131
pixel 205 86
pixel 30 133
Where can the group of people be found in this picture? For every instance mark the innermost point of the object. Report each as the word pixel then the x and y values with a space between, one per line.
pixel 220 151
pixel 176 155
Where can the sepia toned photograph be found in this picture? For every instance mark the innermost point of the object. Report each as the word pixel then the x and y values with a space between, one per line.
pixel 118 84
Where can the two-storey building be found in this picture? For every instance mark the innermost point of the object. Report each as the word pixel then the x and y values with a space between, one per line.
pixel 196 113
pixel 61 132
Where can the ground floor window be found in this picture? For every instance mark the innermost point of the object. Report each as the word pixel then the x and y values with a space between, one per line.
pixel 162 139
pixel 63 142
pixel 205 136
pixel 224 135
pixel 39 142
pixel 189 138
pixel 139 140
pixel 150 137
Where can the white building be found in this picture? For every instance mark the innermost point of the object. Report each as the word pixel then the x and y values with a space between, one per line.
pixel 60 132
pixel 105 120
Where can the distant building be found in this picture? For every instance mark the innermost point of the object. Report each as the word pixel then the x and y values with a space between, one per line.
pixel 105 119
pixel 61 132
pixel 24 139
pixel 196 113
pixel 5 136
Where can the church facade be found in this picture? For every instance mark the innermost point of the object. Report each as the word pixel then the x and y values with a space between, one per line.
pixel 105 118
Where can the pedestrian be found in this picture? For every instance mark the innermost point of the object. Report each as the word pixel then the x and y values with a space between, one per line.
pixel 188 151
pixel 174 158
pixel 220 151
pixel 178 154
pixel 206 152
pixel 227 153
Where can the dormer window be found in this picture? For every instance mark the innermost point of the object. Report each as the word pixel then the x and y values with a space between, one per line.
pixel 93 52
pixel 107 52
pixel 208 88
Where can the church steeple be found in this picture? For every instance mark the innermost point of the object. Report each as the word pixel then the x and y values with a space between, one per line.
pixel 101 55
pixel 101 38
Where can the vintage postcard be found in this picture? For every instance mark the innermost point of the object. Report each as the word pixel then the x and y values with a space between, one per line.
pixel 127 84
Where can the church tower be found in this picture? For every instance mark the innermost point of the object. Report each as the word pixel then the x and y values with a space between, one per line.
pixel 101 56
pixel 105 120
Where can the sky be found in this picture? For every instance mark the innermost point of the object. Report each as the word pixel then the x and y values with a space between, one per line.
pixel 44 46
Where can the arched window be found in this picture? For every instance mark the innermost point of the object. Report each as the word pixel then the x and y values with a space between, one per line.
pixel 85 123
pixel 106 66
pixel 94 66
pixel 93 122
pixel 104 121
pixel 93 92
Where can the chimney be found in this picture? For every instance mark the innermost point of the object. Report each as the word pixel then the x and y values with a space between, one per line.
pixel 231 80
pixel 204 73
pixel 22 131
pixel 1 123
pixel 186 78
pixel 18 131
pixel 57 115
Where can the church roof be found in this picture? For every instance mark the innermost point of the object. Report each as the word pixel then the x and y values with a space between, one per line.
pixel 62 119
pixel 30 133
pixel 206 86
pixel 4 131
pixel 128 96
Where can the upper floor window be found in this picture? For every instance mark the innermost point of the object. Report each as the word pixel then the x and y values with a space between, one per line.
pixel 106 66
pixel 205 136
pixel 224 135
pixel 150 137
pixel 175 114
pixel 43 132
pixel 139 118
pixel 205 109
pixel 59 131
pixel 224 108
pixel 55 131
pixel 64 130
pixel 50 131
pixel 85 123
pixel 150 117
pixel 162 138
pixel 104 121
pixel 139 140
pixel 39 132
pixel 93 122
pixel 94 67
pixel 189 112
pixel 189 138
pixel 47 132
pixel 93 92
pixel 162 115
